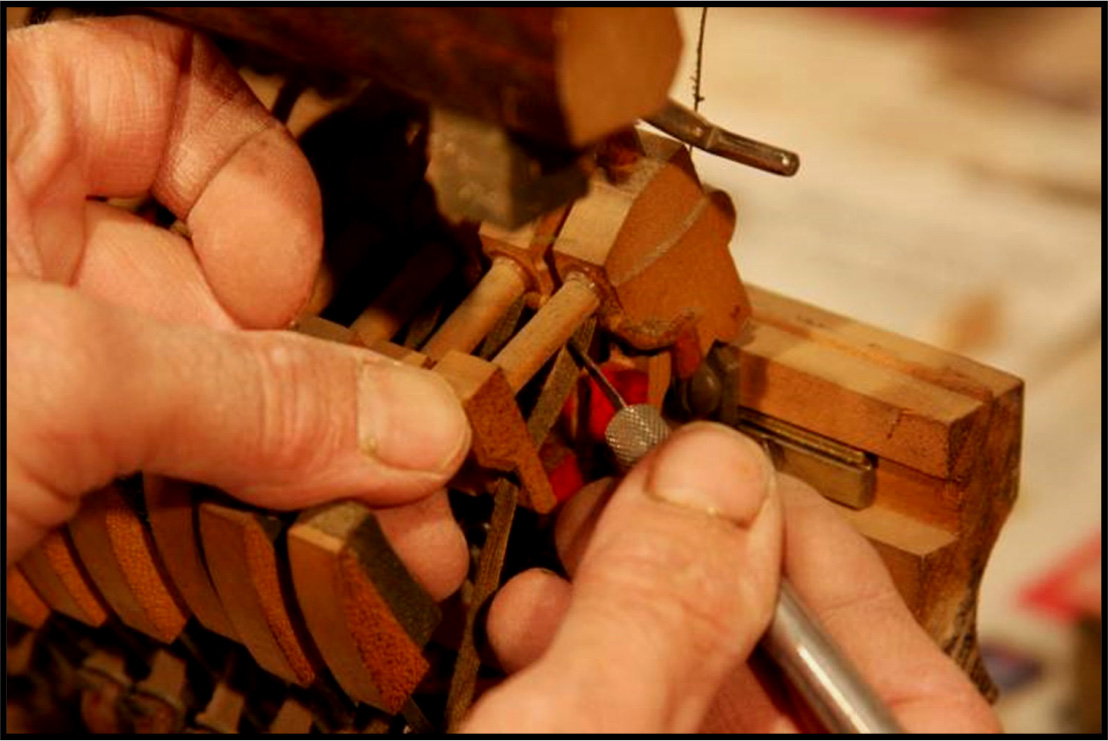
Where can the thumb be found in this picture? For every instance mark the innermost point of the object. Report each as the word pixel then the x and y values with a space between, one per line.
pixel 278 419
pixel 673 591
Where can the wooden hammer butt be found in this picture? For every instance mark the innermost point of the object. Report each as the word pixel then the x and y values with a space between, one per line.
pixel 119 554
pixel 369 618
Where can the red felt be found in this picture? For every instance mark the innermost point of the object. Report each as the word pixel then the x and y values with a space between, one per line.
pixel 632 386
pixel 561 464
pixel 566 478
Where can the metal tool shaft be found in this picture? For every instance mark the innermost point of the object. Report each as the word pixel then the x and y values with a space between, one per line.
pixel 813 664
pixel 692 128
pixel 810 660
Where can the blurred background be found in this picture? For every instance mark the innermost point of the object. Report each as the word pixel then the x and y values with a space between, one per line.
pixel 950 191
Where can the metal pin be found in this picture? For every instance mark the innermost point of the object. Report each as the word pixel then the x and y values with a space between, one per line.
pixel 692 128
pixel 597 375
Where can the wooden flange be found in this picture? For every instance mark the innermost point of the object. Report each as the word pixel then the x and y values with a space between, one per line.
pixel 501 440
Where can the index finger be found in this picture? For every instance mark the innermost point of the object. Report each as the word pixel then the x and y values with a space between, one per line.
pixel 118 107
pixel 845 584
pixel 861 608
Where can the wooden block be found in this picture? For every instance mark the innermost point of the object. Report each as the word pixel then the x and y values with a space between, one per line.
pixel 369 618
pixel 119 553
pixel 324 329
pixel 656 245
pixel 658 368
pixel 833 389
pixel 54 570
pixel 402 354
pixel 242 560
pixel 171 511
pixel 23 602
pixel 612 226
pixel 945 433
pixel 223 712
pixel 501 440
pixel 293 718
pixel 159 699
pixel 687 285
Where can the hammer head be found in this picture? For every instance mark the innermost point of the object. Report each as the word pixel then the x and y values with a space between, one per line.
pixel 481 172
pixel 656 245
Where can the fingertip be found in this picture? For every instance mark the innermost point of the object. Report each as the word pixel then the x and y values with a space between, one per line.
pixel 410 419
pixel 524 616
pixel 798 491
pixel 677 583
pixel 258 230
pixel 133 263
pixel 429 541
pixel 714 469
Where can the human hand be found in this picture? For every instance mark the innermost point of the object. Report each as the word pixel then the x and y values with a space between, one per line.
pixel 667 602
pixel 124 349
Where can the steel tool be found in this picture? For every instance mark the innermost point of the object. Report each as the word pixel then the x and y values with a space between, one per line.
pixel 811 661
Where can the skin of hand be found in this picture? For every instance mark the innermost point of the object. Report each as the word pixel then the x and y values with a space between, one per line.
pixel 654 632
pixel 125 353
pixel 125 342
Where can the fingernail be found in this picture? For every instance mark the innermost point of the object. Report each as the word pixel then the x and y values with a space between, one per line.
pixel 712 469
pixel 410 419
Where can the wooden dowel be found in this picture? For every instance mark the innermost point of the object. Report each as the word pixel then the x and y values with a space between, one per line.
pixel 402 297
pixel 548 330
pixel 293 718
pixel 224 710
pixel 476 316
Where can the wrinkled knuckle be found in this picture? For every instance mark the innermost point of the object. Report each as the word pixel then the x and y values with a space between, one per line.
pixel 290 430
